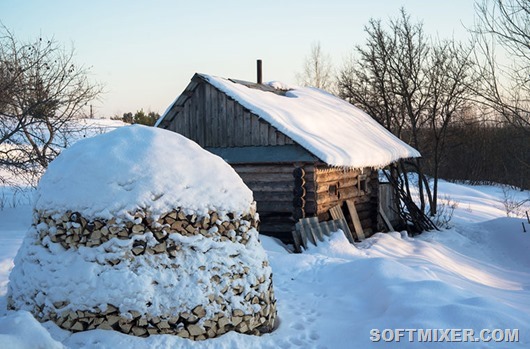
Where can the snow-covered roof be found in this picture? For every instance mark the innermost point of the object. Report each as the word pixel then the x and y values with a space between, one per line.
pixel 143 167
pixel 335 131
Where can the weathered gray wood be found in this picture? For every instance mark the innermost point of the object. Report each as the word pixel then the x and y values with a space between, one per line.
pixel 303 237
pixel 316 227
pixel 355 220
pixel 388 202
pixel 272 136
pixel 286 196
pixel 269 168
pixel 280 186
pixel 254 129
pixel 222 129
pixel 275 206
pixel 280 138
pixel 239 124
pixel 247 128
pixel 306 233
pixel 230 117
pixel 206 117
pixel 336 213
pixel 263 132
pixel 186 121
pixel 385 219
pixel 214 124
pixel 297 241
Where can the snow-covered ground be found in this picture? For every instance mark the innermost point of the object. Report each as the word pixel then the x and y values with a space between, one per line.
pixel 474 276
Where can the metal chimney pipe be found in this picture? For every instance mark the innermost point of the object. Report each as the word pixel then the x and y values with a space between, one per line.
pixel 260 79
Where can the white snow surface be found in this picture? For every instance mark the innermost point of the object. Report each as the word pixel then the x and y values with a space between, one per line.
pixel 473 276
pixel 139 167
pixel 332 129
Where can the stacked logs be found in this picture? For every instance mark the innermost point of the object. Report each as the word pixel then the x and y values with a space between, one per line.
pixel 193 324
pixel 71 230
pixel 299 193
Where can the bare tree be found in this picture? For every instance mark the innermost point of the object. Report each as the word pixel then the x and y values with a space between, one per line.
pixel 505 87
pixel 411 85
pixel 449 74
pixel 42 91
pixel 318 70
pixel 384 78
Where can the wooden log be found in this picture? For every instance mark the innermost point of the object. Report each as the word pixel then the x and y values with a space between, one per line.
pixel 298 202
pixel 281 186
pixel 299 192
pixel 298 172
pixel 298 212
pixel 265 175
pixel 275 206
pixel 341 183
pixel 344 194
pixel 273 196
pixel 334 175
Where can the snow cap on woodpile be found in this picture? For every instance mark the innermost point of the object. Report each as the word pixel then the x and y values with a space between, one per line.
pixel 332 129
pixel 139 167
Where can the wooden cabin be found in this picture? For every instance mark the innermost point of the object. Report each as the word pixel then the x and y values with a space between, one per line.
pixel 301 151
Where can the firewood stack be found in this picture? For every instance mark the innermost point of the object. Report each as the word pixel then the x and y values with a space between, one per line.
pixel 166 236
pixel 142 231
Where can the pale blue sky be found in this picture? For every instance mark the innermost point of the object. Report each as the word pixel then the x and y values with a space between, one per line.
pixel 145 52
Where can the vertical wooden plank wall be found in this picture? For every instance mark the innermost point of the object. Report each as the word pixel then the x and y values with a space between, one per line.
pixel 212 119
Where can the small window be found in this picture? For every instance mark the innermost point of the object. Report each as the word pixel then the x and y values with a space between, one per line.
pixel 361 183
pixel 333 190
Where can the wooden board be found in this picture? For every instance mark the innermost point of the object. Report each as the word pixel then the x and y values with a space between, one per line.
pixel 336 213
pixel 355 220
pixel 385 218
pixel 310 230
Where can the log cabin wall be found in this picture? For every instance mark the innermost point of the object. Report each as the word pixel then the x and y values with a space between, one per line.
pixel 272 185
pixel 336 185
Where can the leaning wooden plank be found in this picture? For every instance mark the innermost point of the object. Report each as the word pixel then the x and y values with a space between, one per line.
pixel 297 241
pixel 344 227
pixel 336 212
pixel 310 231
pixel 306 233
pixel 334 225
pixel 385 218
pixel 328 227
pixel 355 219
pixel 331 226
pixel 303 238
pixel 316 228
